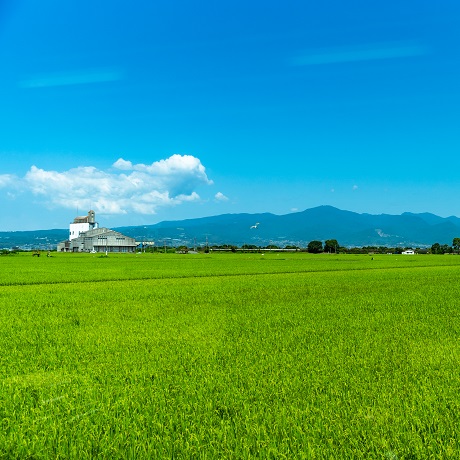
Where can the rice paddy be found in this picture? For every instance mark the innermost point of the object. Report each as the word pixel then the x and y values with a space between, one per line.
pixel 230 356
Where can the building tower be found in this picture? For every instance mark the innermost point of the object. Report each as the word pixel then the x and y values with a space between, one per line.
pixel 82 224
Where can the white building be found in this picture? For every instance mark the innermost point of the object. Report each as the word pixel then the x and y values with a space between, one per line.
pixel 82 224
pixel 86 236
pixel 409 252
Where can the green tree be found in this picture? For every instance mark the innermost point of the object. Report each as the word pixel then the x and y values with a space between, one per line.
pixel 315 247
pixel 446 249
pixel 456 244
pixel 440 249
pixel 331 246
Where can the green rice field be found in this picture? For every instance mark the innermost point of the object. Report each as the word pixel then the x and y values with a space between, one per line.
pixel 229 356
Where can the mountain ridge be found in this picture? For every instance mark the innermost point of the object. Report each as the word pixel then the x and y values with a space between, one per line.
pixel 298 228
pixel 318 223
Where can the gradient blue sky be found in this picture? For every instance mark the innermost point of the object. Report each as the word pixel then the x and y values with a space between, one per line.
pixel 155 110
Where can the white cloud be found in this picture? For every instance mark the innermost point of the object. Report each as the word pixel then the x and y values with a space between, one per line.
pixel 192 197
pixel 7 180
pixel 219 196
pixel 123 165
pixel 179 174
pixel 131 187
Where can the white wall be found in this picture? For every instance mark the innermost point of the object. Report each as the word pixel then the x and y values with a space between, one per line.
pixel 76 229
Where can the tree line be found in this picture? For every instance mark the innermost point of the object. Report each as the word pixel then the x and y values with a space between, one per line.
pixel 437 248
pixel 333 246
pixel 330 246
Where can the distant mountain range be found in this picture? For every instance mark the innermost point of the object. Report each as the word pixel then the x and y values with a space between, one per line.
pixel 299 228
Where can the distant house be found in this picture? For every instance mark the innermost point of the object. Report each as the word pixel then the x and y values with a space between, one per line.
pixel 86 236
pixel 409 252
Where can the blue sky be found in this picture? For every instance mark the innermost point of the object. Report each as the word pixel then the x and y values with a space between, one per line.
pixel 172 110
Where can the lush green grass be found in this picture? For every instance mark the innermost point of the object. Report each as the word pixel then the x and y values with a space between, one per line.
pixel 22 268
pixel 229 356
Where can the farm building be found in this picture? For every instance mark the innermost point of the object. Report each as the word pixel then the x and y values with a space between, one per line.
pixel 82 224
pixel 86 236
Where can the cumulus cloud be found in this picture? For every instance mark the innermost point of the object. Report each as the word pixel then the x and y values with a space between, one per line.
pixel 123 165
pixel 219 196
pixel 179 174
pixel 127 187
